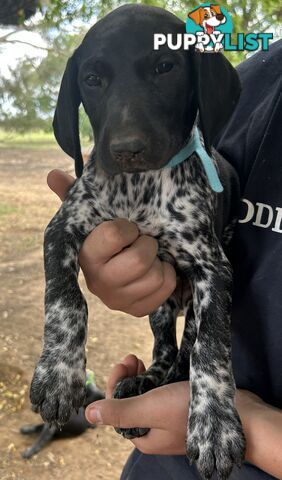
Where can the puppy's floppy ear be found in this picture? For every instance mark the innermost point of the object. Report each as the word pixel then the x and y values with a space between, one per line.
pixel 66 119
pixel 218 89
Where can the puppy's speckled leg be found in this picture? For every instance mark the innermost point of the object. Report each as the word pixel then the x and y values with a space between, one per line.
pixel 58 383
pixel 215 438
pixel 179 371
pixel 162 322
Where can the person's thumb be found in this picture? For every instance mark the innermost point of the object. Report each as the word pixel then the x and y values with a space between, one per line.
pixel 60 182
pixel 131 412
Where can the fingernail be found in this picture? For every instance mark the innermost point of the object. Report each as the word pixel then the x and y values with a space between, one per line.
pixel 94 415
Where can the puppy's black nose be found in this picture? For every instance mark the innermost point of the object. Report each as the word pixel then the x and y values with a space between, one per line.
pixel 127 150
pixel 220 16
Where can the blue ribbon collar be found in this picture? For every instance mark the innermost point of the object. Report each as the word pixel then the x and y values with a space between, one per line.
pixel 195 145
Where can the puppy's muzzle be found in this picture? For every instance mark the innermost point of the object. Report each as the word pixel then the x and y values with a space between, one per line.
pixel 128 153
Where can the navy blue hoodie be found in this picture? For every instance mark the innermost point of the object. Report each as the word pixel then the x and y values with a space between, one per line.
pixel 252 142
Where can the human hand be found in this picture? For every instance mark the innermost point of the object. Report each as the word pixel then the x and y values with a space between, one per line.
pixel 121 266
pixel 164 410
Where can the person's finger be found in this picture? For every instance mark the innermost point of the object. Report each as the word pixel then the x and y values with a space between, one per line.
pixel 146 285
pixel 118 372
pixel 162 442
pixel 141 367
pixel 131 362
pixel 132 263
pixel 142 296
pixel 124 413
pixel 151 302
pixel 121 298
pixel 105 241
pixel 150 410
pixel 127 368
pixel 60 182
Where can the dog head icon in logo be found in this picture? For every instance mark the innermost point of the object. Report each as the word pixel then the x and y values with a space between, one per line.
pixel 209 22
pixel 208 17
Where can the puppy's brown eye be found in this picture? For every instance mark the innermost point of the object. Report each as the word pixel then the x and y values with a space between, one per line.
pixel 163 67
pixel 93 80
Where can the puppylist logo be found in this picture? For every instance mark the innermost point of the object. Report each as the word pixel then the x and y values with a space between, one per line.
pixel 209 23
pixel 209 28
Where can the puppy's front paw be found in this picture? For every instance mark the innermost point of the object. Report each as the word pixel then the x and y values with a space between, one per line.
pixel 56 389
pixel 132 387
pixel 215 441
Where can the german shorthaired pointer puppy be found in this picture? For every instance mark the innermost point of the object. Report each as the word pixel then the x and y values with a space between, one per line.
pixel 149 165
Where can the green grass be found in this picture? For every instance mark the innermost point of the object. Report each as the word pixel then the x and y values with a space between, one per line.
pixel 27 140
pixel 7 209
pixel 32 140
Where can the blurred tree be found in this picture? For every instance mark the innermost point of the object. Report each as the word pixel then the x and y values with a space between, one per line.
pixel 248 15
pixel 27 97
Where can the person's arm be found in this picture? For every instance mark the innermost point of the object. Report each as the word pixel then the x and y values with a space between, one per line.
pixel 262 425
pixel 165 409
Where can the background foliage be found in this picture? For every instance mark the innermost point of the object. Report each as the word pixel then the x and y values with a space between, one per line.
pixel 28 94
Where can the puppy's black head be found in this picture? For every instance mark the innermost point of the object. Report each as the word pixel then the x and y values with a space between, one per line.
pixel 141 103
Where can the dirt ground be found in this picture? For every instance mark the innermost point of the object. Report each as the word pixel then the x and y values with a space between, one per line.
pixel 26 205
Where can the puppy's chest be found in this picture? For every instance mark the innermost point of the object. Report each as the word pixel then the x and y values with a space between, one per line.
pixel 175 205
pixel 155 201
